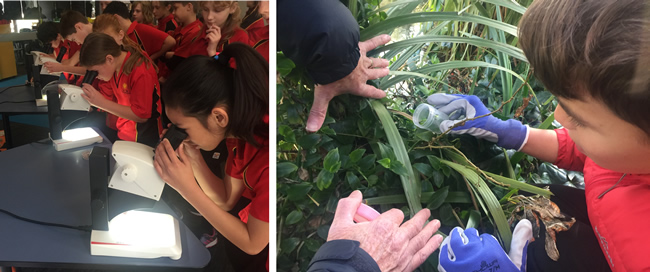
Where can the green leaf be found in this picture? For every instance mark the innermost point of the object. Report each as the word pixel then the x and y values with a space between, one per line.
pixel 289 244
pixel 474 219
pixel 425 169
pixel 298 191
pixel 398 168
pixel 394 22
pixel 438 178
pixel 356 155
pixel 385 162
pixel 367 162
pixel 435 162
pixel 489 199
pixel 372 180
pixel 332 160
pixel 515 184
pixel 285 168
pixel 284 65
pixel 410 184
pixel 308 141
pixel 353 180
pixel 438 198
pixel 288 134
pixel 324 179
pixel 293 217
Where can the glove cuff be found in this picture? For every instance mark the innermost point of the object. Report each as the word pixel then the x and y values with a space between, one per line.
pixel 513 136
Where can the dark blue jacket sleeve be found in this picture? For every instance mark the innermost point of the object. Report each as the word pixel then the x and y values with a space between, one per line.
pixel 320 36
pixel 342 256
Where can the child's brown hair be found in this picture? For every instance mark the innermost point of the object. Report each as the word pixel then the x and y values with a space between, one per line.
pixel 98 45
pixel 68 21
pixel 109 22
pixel 599 48
pixel 147 11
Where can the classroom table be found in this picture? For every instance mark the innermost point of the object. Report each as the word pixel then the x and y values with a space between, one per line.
pixel 39 183
pixel 9 106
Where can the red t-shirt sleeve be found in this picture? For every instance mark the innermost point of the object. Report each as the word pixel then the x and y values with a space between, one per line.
pixel 259 207
pixel 568 155
pixel 152 38
pixel 232 168
pixel 142 88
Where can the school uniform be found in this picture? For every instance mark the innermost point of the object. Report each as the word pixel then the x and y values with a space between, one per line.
pixel 251 165
pixel 185 37
pixel 167 24
pixel 258 32
pixel 71 49
pixel 148 38
pixel 139 90
pixel 199 47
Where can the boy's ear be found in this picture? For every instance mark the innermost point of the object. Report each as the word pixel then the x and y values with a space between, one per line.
pixel 78 26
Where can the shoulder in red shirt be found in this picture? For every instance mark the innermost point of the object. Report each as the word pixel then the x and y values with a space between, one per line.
pixel 251 164
pixel 140 91
pixel 168 24
pixel 149 38
pixel 185 37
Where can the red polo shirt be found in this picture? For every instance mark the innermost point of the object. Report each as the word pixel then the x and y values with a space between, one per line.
pixel 258 32
pixel 167 24
pixel 200 46
pixel 186 36
pixel 72 48
pixel 149 38
pixel 140 91
pixel 251 164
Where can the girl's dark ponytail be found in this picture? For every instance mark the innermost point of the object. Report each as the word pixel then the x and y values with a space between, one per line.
pixel 237 78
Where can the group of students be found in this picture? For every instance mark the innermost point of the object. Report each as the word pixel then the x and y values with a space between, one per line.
pixel 208 76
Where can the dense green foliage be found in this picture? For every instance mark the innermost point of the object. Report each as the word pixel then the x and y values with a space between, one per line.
pixel 453 46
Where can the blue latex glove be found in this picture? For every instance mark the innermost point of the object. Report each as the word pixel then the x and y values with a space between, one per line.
pixel 510 134
pixel 464 251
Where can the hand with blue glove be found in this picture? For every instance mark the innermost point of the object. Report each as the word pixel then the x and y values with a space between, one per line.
pixel 510 134
pixel 465 251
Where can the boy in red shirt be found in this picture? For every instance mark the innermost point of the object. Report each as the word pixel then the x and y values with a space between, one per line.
pixel 166 21
pixel 151 40
pixel 74 28
pixel 188 32
pixel 598 74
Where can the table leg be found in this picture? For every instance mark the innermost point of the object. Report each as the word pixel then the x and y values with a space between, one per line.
pixel 7 127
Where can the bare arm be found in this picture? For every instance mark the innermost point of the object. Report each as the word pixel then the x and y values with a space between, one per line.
pixel 542 144
pixel 96 99
pixel 72 61
pixel 225 193
pixel 250 237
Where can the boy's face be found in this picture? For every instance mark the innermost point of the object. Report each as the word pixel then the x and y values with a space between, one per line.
pixel 604 137
pixel 56 42
pixel 137 13
pixel 160 9
pixel 182 13
pixel 82 31
pixel 216 16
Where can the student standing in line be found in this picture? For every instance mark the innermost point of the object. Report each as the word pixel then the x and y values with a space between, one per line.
pixel 150 39
pixel 74 27
pixel 129 90
pixel 215 102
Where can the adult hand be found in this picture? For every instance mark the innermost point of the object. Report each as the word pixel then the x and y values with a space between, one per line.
pixel 213 34
pixel 354 83
pixel 393 245
pixel 510 134
pixel 465 250
pixel 93 96
pixel 175 171
pixel 53 67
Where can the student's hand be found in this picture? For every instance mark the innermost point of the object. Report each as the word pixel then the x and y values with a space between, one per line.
pixel 53 67
pixel 175 171
pixel 354 83
pixel 169 55
pixel 510 134
pixel 192 150
pixel 213 34
pixel 465 250
pixel 93 96
pixel 393 245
